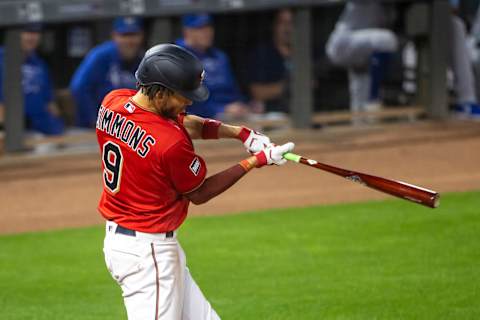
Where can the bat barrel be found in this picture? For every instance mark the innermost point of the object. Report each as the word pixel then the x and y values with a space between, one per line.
pixel 399 189
pixel 406 191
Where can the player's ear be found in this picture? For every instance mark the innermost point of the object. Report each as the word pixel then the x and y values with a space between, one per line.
pixel 161 98
pixel 158 98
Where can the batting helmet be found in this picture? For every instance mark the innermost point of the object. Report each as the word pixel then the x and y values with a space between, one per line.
pixel 174 68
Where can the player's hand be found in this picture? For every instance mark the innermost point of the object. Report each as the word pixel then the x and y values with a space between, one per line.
pixel 273 154
pixel 254 141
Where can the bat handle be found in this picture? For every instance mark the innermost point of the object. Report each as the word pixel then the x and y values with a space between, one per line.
pixel 292 157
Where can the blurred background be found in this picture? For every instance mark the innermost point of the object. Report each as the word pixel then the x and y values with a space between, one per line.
pixel 388 88
pixel 272 64
pixel 363 84
pixel 341 73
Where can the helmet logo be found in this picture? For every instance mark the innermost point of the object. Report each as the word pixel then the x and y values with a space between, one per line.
pixel 202 76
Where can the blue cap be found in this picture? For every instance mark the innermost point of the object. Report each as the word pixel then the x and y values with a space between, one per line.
pixel 128 25
pixel 196 20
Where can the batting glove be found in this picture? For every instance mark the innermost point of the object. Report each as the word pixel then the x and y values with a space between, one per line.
pixel 274 154
pixel 253 141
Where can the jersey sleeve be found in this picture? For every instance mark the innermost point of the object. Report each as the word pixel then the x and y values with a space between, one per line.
pixel 186 170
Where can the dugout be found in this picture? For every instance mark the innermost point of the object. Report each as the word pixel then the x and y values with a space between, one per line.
pixel 248 22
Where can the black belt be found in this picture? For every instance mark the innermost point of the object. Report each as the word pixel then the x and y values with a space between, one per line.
pixel 133 233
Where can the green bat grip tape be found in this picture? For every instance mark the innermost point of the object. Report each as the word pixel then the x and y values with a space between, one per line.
pixel 292 157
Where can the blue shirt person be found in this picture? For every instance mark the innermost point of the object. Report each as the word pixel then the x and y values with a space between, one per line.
pixel 41 114
pixel 225 97
pixel 108 66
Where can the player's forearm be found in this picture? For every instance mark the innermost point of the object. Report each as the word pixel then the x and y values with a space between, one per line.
pixel 228 131
pixel 222 181
pixel 201 128
pixel 193 124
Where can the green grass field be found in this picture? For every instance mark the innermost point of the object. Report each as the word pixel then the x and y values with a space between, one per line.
pixel 381 260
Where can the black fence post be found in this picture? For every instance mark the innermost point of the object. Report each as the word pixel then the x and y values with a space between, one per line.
pixel 13 92
pixel 301 102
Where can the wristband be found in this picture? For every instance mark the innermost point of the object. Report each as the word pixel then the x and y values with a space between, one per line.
pixel 246 165
pixel 261 159
pixel 244 134
pixel 210 129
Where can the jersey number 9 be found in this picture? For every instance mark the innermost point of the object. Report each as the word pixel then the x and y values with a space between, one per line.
pixel 112 163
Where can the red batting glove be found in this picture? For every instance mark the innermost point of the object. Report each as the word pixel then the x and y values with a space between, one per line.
pixel 244 134
pixel 253 141
pixel 261 159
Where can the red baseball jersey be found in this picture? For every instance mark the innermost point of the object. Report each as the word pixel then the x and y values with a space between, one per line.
pixel 148 164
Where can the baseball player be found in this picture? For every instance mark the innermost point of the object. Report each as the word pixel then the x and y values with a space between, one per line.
pixel 151 173
pixel 358 43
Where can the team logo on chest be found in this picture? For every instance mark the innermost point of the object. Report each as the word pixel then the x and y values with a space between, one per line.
pixel 195 166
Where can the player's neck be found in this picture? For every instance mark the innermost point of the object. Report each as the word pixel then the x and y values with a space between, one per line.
pixel 143 102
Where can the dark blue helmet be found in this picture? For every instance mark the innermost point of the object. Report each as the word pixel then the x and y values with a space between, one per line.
pixel 174 68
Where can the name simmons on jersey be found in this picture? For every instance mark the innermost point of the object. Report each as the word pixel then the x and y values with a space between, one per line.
pixel 125 130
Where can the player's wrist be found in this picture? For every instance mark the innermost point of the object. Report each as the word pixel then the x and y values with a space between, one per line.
pixel 243 133
pixel 249 163
pixel 261 159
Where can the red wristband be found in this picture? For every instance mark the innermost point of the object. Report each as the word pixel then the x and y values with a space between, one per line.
pixel 261 159
pixel 244 134
pixel 210 129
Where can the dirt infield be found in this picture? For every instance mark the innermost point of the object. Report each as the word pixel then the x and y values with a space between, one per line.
pixel 62 191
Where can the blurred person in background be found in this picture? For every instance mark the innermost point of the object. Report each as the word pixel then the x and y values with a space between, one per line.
pixel 474 48
pixel 270 66
pixel 362 43
pixel 41 112
pixel 462 63
pixel 226 101
pixel 110 65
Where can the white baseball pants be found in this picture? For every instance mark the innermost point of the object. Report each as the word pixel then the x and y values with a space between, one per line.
pixel 156 284
pixel 353 48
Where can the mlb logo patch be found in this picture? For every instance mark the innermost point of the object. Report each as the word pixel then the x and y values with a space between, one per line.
pixel 130 107
pixel 195 166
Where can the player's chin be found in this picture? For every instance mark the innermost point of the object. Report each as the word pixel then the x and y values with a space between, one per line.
pixel 181 110
pixel 172 113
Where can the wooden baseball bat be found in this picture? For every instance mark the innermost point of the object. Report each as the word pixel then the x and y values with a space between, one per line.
pixel 399 189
